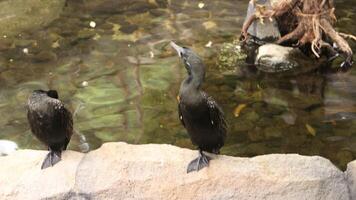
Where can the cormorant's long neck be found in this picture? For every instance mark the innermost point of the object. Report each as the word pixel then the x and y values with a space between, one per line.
pixel 195 80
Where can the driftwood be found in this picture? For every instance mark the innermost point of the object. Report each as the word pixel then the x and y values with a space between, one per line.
pixel 306 22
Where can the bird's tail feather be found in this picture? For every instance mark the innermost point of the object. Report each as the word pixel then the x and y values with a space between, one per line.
pixel 51 159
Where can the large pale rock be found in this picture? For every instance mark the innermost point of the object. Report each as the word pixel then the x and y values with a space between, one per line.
pixel 351 178
pixel 22 15
pixel 21 176
pixel 273 58
pixel 122 171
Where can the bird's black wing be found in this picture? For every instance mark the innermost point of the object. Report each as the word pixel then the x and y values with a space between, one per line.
pixel 64 117
pixel 217 116
pixel 68 123
pixel 180 113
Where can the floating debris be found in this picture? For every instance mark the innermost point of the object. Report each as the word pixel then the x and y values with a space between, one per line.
pixel 92 24
pixel 238 109
pixel 152 55
pixel 96 37
pixel 209 25
pixel 201 5
pixel 25 50
pixel 310 129
pixel 209 44
pixel 85 83
pixel 55 44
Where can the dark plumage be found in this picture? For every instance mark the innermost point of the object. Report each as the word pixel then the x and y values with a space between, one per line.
pixel 50 122
pixel 199 113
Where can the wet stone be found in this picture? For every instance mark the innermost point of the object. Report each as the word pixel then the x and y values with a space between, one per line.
pixel 22 15
pixel 85 34
pixel 129 28
pixel 272 58
pixel 273 132
pixel 5 44
pixel 45 56
pixel 23 42
pixel 256 135
pixel 344 157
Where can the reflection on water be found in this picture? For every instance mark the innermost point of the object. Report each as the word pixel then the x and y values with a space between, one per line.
pixel 122 80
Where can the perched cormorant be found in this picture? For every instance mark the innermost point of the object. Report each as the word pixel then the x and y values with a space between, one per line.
pixel 199 113
pixel 50 122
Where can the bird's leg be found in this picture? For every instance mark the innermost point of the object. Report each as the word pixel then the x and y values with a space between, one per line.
pixel 199 163
pixel 52 158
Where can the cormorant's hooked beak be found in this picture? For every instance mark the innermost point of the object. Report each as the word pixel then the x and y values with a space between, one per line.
pixel 180 50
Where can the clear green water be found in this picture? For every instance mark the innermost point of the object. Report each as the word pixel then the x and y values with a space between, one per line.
pixel 133 79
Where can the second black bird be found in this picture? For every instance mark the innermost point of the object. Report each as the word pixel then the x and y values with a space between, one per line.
pixel 50 122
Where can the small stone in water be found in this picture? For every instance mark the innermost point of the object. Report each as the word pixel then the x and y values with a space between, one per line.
pixel 152 55
pixel 85 83
pixel 209 44
pixel 5 36
pixel 25 50
pixel 201 5
pixel 92 24
pixel 11 60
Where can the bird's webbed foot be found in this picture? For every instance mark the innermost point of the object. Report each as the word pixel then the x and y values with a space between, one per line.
pixel 199 163
pixel 52 158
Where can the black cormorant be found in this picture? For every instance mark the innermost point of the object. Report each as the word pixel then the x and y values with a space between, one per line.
pixel 50 122
pixel 199 113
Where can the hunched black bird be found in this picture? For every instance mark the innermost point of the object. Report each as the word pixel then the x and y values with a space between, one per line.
pixel 50 122
pixel 199 113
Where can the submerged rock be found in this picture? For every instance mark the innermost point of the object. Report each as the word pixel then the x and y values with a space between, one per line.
pixel 115 6
pixel 122 171
pixel 230 55
pixel 273 58
pixel 22 15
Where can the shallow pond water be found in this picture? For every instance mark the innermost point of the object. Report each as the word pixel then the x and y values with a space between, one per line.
pixel 112 65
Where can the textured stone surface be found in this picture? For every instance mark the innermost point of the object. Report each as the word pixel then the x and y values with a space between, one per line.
pixel 122 171
pixel 22 15
pixel 351 178
pixel 22 177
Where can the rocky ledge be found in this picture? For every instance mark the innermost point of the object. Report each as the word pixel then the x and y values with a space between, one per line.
pixel 123 171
